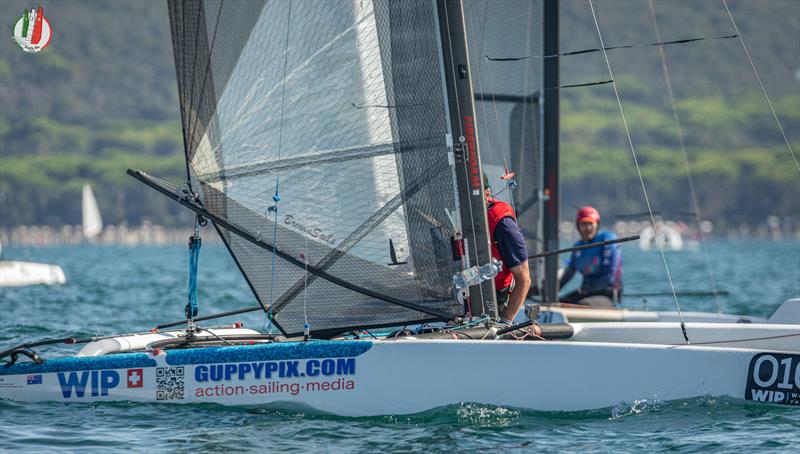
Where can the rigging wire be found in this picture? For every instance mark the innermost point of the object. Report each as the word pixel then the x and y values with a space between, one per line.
pixel 277 198
pixel 692 192
pixel 494 100
pixel 463 144
pixel 639 171
pixel 306 326
pixel 761 84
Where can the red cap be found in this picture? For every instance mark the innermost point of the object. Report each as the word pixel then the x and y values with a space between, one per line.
pixel 587 213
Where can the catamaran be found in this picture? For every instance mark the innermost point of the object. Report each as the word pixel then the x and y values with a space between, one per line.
pixel 334 148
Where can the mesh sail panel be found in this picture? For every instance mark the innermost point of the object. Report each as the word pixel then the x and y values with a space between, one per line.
pixel 507 96
pixel 340 106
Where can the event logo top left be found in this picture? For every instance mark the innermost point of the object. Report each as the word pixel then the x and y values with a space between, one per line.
pixel 32 32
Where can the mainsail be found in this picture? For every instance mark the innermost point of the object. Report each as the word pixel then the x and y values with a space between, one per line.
pixel 322 128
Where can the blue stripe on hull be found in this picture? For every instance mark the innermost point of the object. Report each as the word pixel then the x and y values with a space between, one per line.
pixel 234 354
pixel 268 352
pixel 75 363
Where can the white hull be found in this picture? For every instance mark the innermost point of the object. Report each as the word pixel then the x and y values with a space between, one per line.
pixel 19 274
pixel 562 314
pixel 789 313
pixel 409 375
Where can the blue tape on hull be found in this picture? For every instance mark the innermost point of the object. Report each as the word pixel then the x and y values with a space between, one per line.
pixel 241 353
pixel 121 361
pixel 268 352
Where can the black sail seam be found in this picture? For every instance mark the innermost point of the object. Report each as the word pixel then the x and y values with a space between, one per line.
pixel 600 49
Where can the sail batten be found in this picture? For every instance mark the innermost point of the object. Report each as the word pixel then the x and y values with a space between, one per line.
pixel 353 125
pixel 319 157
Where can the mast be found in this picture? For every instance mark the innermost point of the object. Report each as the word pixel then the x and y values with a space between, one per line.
pixel 469 174
pixel 551 132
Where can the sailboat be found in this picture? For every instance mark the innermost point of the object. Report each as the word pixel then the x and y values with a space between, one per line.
pixel 92 221
pixel 334 148
pixel 669 236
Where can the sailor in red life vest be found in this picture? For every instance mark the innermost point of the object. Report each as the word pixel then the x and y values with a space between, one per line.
pixel 508 246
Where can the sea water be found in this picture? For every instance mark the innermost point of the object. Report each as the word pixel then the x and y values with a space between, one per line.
pixel 124 289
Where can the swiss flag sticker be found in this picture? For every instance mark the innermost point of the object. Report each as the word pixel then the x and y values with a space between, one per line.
pixel 135 378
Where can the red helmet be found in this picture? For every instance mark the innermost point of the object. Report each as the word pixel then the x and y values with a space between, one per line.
pixel 587 213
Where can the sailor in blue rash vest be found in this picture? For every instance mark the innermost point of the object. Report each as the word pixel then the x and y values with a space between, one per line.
pixel 601 267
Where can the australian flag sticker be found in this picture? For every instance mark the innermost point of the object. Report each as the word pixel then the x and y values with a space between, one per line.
pixel 35 379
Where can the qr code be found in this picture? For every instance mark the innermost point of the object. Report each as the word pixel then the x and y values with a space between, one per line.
pixel 169 383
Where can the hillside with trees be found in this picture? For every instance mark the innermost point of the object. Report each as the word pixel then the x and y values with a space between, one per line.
pixel 102 98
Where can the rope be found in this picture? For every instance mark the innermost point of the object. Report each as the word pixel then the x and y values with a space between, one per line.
pixel 306 326
pixel 639 171
pixel 761 84
pixel 215 335
pixel 692 192
pixel 277 198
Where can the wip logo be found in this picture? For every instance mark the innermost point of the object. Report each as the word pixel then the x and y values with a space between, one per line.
pixel 98 382
pixel 32 31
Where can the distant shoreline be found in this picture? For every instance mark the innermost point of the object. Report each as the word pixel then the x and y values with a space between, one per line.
pixel 146 234
pixel 155 235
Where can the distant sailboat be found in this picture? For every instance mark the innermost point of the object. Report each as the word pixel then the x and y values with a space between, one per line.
pixel 19 274
pixel 92 221
pixel 669 236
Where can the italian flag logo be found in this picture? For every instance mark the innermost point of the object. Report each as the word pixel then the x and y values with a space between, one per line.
pixel 32 31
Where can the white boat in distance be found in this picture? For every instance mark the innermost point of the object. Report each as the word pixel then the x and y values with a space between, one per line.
pixel 335 151
pixel 668 235
pixel 20 274
pixel 92 221
pixel 14 273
